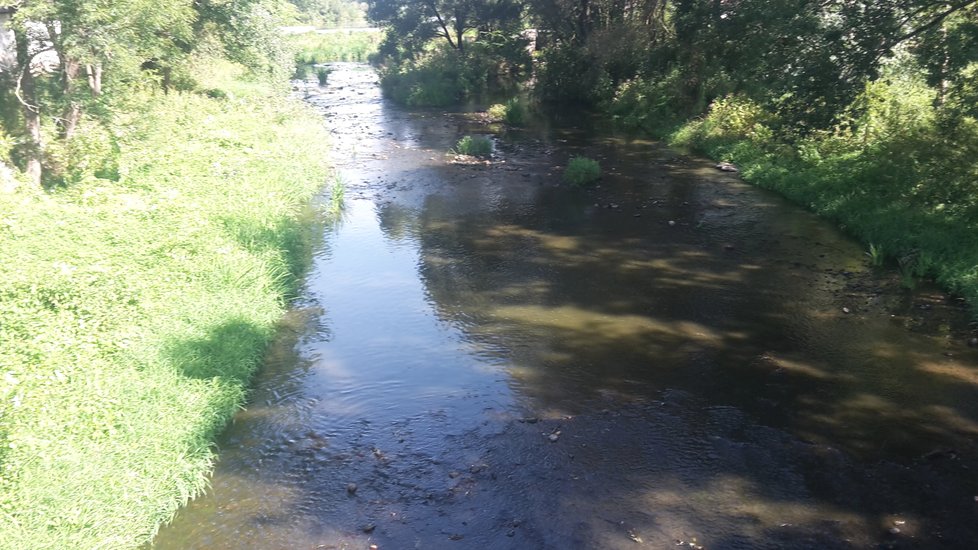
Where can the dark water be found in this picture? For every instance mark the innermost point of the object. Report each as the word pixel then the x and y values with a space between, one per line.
pixel 674 358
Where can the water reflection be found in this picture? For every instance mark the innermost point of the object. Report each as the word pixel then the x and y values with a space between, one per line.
pixel 498 361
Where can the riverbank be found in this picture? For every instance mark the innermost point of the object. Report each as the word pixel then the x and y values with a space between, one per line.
pixel 470 330
pixel 134 312
pixel 896 178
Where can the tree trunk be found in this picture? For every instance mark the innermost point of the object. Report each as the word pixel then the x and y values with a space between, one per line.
pixel 27 95
pixel 70 71
pixel 95 79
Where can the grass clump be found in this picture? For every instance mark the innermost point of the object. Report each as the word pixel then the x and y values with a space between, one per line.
pixel 322 75
pixel 891 172
pixel 513 112
pixel 582 171
pixel 474 146
pixel 134 310
pixel 313 47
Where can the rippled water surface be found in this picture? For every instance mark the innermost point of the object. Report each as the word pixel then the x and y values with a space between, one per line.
pixel 484 357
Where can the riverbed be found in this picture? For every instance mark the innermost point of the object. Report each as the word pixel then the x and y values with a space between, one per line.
pixel 486 357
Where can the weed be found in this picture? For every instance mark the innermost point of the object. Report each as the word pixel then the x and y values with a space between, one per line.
pixel 477 146
pixel 337 197
pixel 322 75
pixel 496 112
pixel 134 310
pixel 876 255
pixel 513 112
pixel 313 48
pixel 582 171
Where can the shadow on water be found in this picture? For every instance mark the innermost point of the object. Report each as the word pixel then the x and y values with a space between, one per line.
pixel 670 359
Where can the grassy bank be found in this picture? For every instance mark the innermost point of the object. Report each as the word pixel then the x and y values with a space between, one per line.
pixel 893 173
pixel 339 45
pixel 134 312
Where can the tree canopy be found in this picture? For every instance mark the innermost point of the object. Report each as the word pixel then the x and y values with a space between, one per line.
pixel 72 57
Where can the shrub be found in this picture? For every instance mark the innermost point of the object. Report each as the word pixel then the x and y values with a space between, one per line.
pixel 444 76
pixel 322 74
pixel 496 112
pixel 568 74
pixel 315 48
pixel 474 147
pixel 513 112
pixel 650 104
pixel 7 144
pixel 582 171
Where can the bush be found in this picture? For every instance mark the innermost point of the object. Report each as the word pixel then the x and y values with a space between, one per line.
pixel 133 312
pixel 650 104
pixel 568 74
pixel 445 76
pixel 496 112
pixel 322 75
pixel 513 112
pixel 474 147
pixel 7 144
pixel 312 48
pixel 582 171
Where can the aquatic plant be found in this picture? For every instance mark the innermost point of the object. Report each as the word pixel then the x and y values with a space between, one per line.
pixel 876 255
pixel 476 146
pixel 582 171
pixel 513 112
pixel 322 74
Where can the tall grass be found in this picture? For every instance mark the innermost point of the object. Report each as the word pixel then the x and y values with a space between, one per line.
pixel 582 171
pixel 134 312
pixel 474 146
pixel 312 48
pixel 892 172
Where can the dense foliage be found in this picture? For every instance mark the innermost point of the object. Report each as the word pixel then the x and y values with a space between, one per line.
pixel 77 63
pixel 442 52
pixel 152 225
pixel 865 111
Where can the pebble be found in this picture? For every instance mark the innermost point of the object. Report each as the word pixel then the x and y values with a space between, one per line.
pixel 368 528
pixel 845 310
pixel 973 342
pixel 351 488
pixel 553 438
pixel 672 223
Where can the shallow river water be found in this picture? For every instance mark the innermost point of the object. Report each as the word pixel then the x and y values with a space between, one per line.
pixel 484 357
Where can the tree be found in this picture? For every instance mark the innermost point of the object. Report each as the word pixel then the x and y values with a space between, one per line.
pixel 415 22
pixel 86 39
pixel 100 47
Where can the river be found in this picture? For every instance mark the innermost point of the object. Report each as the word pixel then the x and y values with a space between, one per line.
pixel 484 357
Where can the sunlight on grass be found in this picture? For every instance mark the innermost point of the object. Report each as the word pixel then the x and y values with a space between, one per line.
pixel 133 312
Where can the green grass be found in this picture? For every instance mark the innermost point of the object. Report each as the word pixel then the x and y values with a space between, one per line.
pixel 134 312
pixel 312 48
pixel 582 171
pixel 513 112
pixel 476 146
pixel 892 175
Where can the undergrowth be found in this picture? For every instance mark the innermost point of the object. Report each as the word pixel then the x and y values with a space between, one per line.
pixel 582 171
pixel 891 172
pixel 513 112
pixel 474 146
pixel 134 311
pixel 444 76
pixel 313 47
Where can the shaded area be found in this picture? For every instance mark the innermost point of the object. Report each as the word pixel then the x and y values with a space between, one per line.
pixel 495 360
